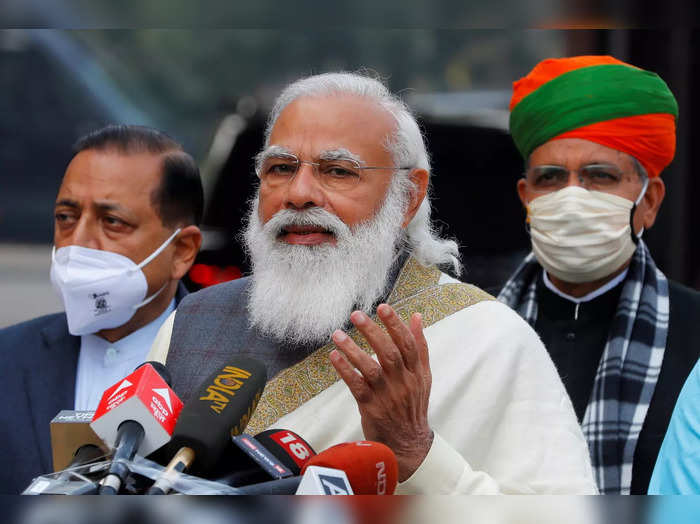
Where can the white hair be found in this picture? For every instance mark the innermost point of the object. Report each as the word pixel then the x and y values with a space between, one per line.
pixel 405 144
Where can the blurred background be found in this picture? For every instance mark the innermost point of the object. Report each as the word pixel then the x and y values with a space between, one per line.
pixel 211 89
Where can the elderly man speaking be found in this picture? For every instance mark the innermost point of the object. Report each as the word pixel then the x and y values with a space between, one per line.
pixel 363 334
pixel 596 134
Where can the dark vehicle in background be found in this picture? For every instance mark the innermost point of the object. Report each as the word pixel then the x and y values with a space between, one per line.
pixel 474 170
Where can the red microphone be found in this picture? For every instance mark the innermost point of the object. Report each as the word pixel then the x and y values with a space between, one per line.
pixel 135 415
pixel 371 467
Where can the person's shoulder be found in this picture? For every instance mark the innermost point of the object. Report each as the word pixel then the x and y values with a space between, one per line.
pixel 486 306
pixel 679 292
pixel 23 342
pixel 220 293
pixel 34 326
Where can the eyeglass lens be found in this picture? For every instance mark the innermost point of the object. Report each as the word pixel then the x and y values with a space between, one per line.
pixel 593 176
pixel 338 174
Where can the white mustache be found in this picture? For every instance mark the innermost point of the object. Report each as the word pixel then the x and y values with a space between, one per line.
pixel 315 216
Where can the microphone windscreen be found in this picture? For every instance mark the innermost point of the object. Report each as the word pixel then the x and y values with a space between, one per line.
pixel 160 369
pixel 371 467
pixel 288 447
pixel 221 407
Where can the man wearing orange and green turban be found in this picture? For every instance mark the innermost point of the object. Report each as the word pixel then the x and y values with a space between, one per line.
pixel 596 133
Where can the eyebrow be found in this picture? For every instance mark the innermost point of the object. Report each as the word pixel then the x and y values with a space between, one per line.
pixel 327 154
pixel 340 153
pixel 67 202
pixel 268 152
pixel 101 206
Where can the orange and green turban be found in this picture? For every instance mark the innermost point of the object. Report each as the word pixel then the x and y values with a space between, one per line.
pixel 597 98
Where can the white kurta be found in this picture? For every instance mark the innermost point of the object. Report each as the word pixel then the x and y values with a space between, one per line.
pixel 503 422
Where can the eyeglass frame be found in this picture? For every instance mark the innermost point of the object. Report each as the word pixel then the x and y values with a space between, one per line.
pixel 568 171
pixel 262 157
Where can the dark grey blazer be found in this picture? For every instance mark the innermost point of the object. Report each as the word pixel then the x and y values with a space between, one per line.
pixel 37 379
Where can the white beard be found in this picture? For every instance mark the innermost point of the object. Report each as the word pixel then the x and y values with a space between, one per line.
pixel 300 294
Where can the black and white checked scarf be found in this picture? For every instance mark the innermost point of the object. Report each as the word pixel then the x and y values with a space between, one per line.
pixel 628 370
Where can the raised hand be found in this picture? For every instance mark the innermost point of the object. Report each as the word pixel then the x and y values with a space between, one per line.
pixel 392 392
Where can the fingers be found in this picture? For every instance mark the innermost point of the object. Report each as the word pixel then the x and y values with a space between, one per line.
pixel 388 354
pixel 356 384
pixel 416 327
pixel 402 336
pixel 366 365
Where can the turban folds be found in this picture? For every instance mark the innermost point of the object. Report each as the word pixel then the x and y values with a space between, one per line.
pixel 600 99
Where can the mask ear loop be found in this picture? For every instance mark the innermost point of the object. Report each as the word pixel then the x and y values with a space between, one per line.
pixel 635 237
pixel 149 299
pixel 147 260
pixel 157 251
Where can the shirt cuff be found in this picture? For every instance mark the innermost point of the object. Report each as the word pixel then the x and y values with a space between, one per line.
pixel 444 471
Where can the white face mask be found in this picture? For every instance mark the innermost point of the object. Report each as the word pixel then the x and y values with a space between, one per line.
pixel 100 289
pixel 581 236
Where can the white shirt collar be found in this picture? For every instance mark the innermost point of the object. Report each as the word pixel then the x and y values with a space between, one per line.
pixel 102 363
pixel 590 296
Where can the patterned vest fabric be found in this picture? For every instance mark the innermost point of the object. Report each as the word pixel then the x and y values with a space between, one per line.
pixel 212 326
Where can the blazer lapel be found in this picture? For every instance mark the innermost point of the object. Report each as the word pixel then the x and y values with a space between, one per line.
pixel 51 384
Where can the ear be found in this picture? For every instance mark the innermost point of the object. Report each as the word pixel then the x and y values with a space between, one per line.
pixel 187 244
pixel 419 178
pixel 523 193
pixel 649 206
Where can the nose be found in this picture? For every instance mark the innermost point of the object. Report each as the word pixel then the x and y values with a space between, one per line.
pixel 574 179
pixel 84 234
pixel 304 190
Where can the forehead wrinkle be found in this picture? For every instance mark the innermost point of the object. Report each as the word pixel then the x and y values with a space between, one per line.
pixel 108 206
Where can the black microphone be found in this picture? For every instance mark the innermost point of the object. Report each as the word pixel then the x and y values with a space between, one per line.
pixel 85 454
pixel 222 406
pixel 288 447
pixel 271 454
pixel 160 369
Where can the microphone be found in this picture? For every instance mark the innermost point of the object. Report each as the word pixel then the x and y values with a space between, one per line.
pixel 71 431
pixel 371 467
pixel 271 454
pixel 316 480
pixel 221 407
pixel 288 447
pixel 137 414
pixel 362 468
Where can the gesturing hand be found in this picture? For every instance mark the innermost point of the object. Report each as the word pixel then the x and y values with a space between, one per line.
pixel 392 394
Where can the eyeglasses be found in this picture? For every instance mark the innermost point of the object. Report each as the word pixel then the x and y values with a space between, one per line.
pixel 339 174
pixel 594 177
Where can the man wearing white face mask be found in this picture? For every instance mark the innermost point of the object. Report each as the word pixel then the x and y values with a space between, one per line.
pixel 596 134
pixel 125 233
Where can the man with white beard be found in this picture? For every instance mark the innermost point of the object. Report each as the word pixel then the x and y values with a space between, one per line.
pixel 347 282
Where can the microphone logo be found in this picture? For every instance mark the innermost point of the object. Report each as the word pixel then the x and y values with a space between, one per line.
pixel 125 384
pixel 224 387
pixel 163 393
pixel 333 485
pixel 381 478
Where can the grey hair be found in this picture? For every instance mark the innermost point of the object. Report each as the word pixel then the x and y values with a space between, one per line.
pixel 641 171
pixel 406 145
